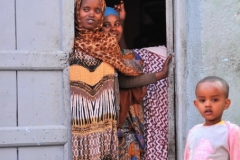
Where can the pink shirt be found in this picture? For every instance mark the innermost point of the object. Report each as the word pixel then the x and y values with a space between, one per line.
pixel 217 142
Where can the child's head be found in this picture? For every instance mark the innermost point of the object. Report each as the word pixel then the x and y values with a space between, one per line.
pixel 212 98
pixel 89 14
pixel 112 23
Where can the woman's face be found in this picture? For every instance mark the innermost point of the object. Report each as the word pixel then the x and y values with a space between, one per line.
pixel 90 13
pixel 112 24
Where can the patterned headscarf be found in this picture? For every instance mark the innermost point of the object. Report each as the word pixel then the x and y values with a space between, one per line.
pixel 99 44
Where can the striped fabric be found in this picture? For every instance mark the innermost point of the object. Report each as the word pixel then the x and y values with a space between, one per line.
pixel 155 106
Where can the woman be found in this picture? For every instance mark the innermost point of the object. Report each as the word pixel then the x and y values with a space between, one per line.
pixel 133 126
pixel 130 126
pixel 93 84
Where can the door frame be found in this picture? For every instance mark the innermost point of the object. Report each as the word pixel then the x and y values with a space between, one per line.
pixel 171 80
pixel 176 19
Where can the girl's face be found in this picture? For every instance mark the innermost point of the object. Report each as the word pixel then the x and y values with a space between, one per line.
pixel 211 101
pixel 90 13
pixel 112 24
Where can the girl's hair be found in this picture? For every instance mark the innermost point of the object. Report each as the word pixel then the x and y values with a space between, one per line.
pixel 216 79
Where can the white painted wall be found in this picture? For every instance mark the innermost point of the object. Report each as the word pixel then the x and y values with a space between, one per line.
pixel 211 43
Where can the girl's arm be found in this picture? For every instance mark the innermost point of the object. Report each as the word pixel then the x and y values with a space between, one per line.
pixel 186 152
pixel 234 142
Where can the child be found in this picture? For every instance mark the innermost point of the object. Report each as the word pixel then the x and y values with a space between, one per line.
pixel 215 139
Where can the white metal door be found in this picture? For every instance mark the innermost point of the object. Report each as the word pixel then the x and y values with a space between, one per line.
pixel 35 40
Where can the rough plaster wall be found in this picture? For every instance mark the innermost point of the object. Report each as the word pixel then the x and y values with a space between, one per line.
pixel 213 48
pixel 194 59
pixel 187 115
pixel 221 47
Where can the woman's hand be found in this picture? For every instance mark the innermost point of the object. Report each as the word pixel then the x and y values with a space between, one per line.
pixel 164 72
pixel 121 10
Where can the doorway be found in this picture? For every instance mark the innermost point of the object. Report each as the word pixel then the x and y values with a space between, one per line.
pixel 151 23
pixel 145 23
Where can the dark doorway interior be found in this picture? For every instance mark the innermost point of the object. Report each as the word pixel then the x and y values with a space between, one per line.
pixel 145 23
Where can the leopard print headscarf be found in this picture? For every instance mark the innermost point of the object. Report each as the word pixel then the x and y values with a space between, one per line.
pixel 98 44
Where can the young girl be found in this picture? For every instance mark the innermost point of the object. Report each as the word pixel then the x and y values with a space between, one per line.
pixel 215 139
pixel 93 85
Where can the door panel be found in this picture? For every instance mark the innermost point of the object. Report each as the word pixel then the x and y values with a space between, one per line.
pixel 32 60
pixel 39 25
pixel 7 25
pixel 8 153
pixel 33 135
pixel 41 153
pixel 8 99
pixel 35 120
pixel 40 98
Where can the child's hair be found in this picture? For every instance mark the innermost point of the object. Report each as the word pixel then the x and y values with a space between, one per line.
pixel 216 79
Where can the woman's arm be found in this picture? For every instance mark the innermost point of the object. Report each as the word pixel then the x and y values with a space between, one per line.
pixel 130 82
pixel 144 79
pixel 122 15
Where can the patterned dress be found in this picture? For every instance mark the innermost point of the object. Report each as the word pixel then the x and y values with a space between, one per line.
pixel 155 105
pixel 130 136
pixel 94 124
pixel 144 134
pixel 131 140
